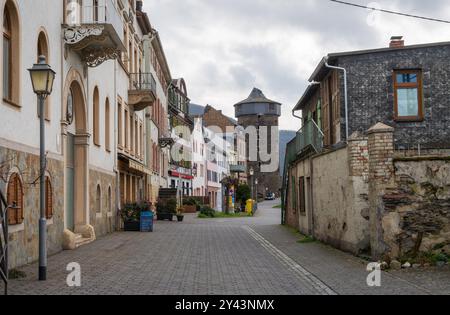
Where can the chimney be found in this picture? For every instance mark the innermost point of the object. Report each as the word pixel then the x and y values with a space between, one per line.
pixel 139 5
pixel 397 42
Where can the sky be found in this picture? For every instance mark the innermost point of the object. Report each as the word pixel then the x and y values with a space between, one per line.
pixel 224 48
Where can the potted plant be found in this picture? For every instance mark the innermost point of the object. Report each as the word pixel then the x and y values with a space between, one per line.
pixel 166 209
pixel 131 217
pixel 180 214
pixel 190 206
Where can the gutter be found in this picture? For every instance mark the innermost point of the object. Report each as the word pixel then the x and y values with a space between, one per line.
pixel 309 87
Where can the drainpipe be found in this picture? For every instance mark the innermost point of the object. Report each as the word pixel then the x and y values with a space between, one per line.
pixel 116 142
pixel 296 116
pixel 346 95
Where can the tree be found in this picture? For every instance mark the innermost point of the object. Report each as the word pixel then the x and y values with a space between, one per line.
pixel 243 193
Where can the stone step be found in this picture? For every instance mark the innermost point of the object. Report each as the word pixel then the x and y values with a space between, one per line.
pixel 80 240
pixel 73 241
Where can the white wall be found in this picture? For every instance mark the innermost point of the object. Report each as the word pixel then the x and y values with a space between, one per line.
pixel 199 181
pixel 22 125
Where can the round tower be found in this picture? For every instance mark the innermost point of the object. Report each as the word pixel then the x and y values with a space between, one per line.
pixel 259 111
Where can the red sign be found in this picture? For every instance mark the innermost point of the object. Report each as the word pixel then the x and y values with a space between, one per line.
pixel 183 176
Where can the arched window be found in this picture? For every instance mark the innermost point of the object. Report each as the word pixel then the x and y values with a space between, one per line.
pixel 42 50
pixel 98 200
pixel 49 198
pixel 96 117
pixel 11 54
pixel 15 200
pixel 107 126
pixel 70 114
pixel 109 205
pixel 96 8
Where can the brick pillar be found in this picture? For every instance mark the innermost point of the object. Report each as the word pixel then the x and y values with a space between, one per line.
pixel 381 176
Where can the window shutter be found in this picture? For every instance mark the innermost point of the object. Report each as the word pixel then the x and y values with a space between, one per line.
pixel 15 198
pixel 326 113
pixel 336 105
pixel 10 199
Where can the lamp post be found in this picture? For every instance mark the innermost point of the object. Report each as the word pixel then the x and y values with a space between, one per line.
pixel 252 173
pixel 42 78
pixel 256 184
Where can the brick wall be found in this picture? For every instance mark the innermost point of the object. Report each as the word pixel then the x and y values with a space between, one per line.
pixel 358 151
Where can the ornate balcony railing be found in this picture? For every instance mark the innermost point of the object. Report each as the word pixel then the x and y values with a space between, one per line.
pixel 96 32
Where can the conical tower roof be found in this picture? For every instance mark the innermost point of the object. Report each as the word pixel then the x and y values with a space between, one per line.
pixel 257 96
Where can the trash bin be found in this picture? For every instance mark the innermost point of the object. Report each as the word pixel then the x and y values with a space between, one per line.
pixel 147 221
pixel 249 206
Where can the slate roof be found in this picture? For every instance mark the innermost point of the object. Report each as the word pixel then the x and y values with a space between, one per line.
pixel 257 96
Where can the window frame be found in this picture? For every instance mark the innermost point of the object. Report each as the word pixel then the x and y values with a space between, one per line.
pixel 96 117
pixel 398 86
pixel 15 183
pixel 7 35
pixel 107 125
pixel 301 195
pixel 98 199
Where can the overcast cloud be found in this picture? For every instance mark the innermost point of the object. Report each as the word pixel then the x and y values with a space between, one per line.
pixel 224 48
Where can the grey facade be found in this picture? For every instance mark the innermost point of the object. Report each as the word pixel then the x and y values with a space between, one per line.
pixel 371 92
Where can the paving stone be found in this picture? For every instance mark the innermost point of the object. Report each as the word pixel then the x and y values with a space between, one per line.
pixel 218 256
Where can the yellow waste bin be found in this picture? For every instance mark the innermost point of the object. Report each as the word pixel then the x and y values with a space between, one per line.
pixel 249 207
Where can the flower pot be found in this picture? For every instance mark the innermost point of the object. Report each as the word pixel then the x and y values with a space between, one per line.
pixel 189 209
pixel 165 216
pixel 180 218
pixel 131 226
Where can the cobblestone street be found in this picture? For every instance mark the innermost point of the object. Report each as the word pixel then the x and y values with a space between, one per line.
pixel 254 256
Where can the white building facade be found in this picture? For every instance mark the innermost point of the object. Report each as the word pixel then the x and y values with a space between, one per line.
pixel 199 159
pixel 97 129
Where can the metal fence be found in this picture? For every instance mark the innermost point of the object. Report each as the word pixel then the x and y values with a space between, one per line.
pixel 142 81
pixel 309 136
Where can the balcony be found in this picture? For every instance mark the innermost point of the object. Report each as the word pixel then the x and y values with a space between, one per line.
pixel 142 91
pixel 94 32
pixel 310 137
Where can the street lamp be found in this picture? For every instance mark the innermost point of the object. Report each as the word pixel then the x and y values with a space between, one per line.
pixel 42 78
pixel 256 184
pixel 252 173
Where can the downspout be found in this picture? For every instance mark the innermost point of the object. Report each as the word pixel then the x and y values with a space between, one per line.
pixel 345 96
pixel 148 127
pixel 296 116
pixel 116 142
